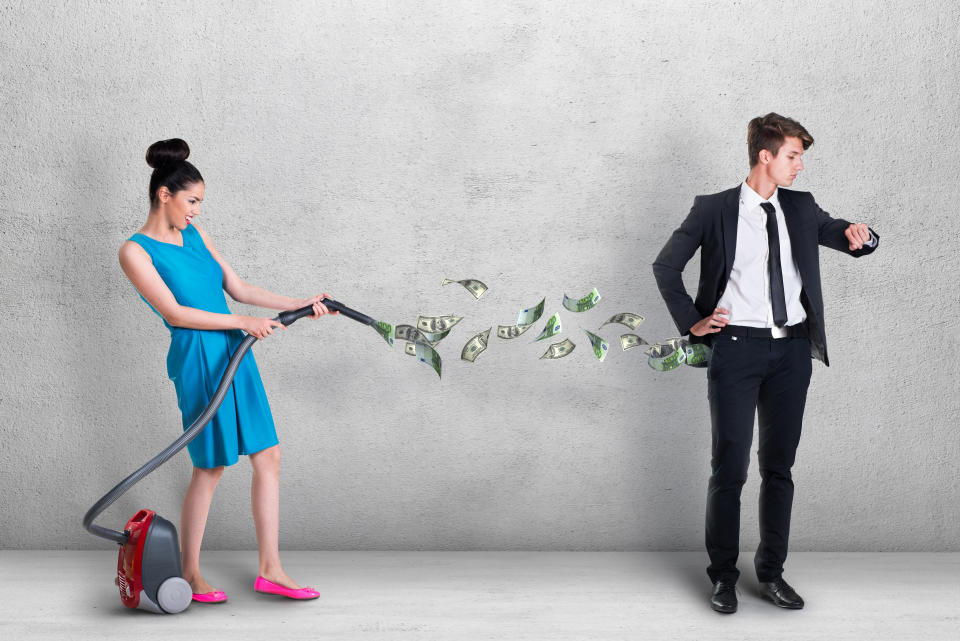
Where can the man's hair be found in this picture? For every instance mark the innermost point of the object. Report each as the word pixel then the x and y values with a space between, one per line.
pixel 768 132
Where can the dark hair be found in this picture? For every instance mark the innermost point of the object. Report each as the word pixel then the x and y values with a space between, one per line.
pixel 170 167
pixel 768 132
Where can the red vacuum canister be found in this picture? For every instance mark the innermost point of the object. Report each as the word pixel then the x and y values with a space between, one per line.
pixel 148 567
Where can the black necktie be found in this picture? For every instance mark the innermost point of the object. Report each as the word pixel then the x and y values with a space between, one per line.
pixel 773 267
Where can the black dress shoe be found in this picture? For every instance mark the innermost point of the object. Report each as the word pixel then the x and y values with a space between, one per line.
pixel 724 598
pixel 782 595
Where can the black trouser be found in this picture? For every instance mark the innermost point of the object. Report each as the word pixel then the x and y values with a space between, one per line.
pixel 745 376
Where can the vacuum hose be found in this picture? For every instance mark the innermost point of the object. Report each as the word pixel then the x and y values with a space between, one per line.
pixel 287 318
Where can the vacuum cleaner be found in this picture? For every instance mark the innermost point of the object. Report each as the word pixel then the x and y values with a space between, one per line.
pixel 148 568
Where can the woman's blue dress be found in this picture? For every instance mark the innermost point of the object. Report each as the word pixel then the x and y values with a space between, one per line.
pixel 198 358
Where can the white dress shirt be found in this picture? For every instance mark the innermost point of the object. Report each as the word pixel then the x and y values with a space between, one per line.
pixel 747 294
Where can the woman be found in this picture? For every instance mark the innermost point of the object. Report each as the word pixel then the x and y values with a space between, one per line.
pixel 178 272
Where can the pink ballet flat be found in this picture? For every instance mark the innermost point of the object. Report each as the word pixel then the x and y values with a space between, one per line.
pixel 216 596
pixel 269 587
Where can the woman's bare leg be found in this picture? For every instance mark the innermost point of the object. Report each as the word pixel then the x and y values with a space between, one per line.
pixel 193 520
pixel 265 501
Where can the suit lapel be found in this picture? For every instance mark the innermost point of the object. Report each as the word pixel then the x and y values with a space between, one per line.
pixel 793 229
pixel 729 216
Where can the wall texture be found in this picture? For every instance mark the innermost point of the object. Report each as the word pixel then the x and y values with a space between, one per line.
pixel 372 150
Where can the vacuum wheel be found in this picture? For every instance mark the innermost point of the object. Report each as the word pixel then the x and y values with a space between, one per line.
pixel 174 595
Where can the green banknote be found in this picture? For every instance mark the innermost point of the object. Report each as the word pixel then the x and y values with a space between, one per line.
pixel 475 346
pixel 473 286
pixel 600 346
pixel 587 302
pixel 552 328
pixel 385 330
pixel 531 315
pixel 426 354
pixel 697 354
pixel 525 320
pixel 559 350
pixel 673 352
pixel 664 357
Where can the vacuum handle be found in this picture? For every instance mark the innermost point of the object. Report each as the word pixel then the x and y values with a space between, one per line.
pixel 291 316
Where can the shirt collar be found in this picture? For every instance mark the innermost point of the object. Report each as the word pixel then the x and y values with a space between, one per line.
pixel 751 199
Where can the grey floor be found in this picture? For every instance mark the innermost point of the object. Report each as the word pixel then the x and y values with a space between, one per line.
pixel 493 595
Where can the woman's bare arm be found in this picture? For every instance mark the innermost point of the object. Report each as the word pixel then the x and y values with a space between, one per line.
pixel 244 292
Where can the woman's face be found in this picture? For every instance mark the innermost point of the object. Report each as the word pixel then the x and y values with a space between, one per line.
pixel 182 206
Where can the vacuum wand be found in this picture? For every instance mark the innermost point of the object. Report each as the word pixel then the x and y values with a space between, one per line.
pixel 384 329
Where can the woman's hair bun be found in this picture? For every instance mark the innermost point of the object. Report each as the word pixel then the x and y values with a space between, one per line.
pixel 167 152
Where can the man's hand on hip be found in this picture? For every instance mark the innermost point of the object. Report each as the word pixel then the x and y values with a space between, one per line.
pixel 714 322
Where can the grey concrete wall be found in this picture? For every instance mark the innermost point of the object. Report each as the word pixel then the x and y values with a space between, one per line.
pixel 371 150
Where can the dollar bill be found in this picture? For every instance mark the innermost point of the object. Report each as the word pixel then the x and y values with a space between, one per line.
pixel 475 287
pixel 559 350
pixel 531 315
pixel 552 328
pixel 433 339
pixel 437 324
pixel 385 330
pixel 525 320
pixel 410 349
pixel 628 341
pixel 632 321
pixel 664 357
pixel 408 333
pixel 587 302
pixel 414 335
pixel 600 346
pixel 475 346
pixel 428 355
pixel 677 343
pixel 511 331
pixel 673 352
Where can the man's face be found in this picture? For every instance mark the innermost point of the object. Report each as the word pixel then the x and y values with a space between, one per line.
pixel 784 167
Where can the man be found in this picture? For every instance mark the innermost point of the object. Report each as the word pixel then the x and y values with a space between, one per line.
pixel 759 306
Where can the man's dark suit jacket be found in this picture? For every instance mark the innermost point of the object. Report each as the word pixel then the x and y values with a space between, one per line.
pixel 712 226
